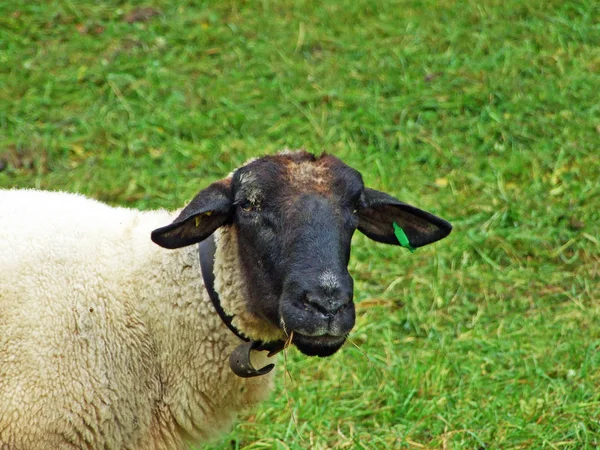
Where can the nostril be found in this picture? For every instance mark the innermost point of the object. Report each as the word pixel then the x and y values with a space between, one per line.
pixel 343 302
pixel 327 305
pixel 317 303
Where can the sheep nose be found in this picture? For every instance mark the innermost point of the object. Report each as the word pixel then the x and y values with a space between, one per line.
pixel 327 302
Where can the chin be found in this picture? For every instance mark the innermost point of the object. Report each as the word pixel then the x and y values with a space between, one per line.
pixel 322 346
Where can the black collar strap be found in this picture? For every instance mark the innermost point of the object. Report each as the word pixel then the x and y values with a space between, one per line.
pixel 239 360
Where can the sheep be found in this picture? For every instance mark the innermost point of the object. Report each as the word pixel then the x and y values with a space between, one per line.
pixel 109 341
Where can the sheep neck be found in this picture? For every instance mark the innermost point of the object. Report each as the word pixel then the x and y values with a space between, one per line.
pixel 232 289
pixel 206 251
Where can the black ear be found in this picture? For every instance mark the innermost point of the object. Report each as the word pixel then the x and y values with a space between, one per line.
pixel 210 209
pixel 380 211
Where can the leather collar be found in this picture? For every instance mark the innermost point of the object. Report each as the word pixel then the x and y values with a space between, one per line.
pixel 239 360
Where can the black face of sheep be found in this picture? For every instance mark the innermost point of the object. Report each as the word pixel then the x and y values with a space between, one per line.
pixel 295 215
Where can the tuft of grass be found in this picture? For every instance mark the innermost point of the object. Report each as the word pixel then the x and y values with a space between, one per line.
pixel 484 112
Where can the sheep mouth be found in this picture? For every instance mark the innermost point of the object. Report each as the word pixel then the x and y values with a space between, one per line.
pixel 322 346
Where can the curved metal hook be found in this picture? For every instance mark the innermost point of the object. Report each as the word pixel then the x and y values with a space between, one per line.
pixel 240 363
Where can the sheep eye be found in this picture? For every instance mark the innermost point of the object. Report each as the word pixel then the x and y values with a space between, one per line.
pixel 246 205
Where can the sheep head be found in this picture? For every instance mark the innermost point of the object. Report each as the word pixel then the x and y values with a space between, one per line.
pixel 295 215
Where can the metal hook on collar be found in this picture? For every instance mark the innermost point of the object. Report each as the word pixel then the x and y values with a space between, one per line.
pixel 240 363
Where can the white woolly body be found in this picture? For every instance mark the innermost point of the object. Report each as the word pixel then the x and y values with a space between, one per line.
pixel 108 341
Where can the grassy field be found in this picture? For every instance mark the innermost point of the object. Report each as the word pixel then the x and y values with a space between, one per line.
pixel 484 112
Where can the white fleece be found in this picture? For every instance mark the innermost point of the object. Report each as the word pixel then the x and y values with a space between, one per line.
pixel 108 341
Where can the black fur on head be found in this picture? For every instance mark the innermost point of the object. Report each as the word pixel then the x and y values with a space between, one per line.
pixel 294 215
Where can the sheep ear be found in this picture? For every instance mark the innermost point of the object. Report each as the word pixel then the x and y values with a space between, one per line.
pixel 379 212
pixel 210 209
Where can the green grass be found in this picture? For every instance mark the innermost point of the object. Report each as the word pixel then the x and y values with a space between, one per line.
pixel 484 112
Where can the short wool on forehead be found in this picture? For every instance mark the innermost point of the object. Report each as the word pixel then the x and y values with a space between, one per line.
pixel 304 173
pixel 297 169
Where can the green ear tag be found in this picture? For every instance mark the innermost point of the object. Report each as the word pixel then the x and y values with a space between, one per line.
pixel 402 238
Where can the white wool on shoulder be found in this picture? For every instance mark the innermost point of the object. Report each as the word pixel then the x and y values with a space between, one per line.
pixel 106 339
